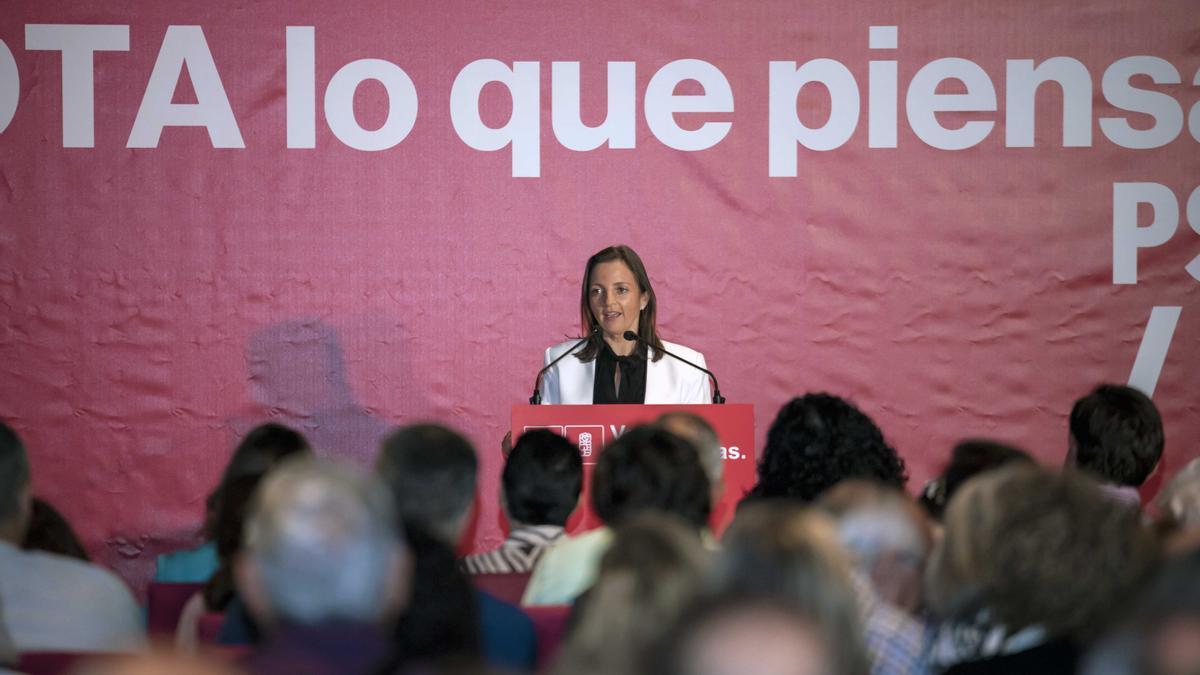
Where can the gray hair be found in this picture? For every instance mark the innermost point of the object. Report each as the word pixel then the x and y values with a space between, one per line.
pixel 1180 499
pixel 323 537
pixel 700 433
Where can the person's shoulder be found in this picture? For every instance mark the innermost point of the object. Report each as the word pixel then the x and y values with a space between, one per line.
pixel 555 351
pixel 682 351
pixel 88 583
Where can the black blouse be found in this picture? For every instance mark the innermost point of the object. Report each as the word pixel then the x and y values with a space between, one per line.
pixel 633 376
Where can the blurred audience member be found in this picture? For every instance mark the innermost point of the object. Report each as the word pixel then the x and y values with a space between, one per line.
pixel 696 430
pixel 51 533
pixel 645 469
pixel 817 441
pixel 431 472
pixel 888 536
pixel 968 459
pixel 1116 434
pixel 51 602
pixel 261 449
pixel 539 489
pixel 758 634
pixel 790 555
pixel 654 568
pixel 783 549
pixel 1179 509
pixel 1032 566
pixel 158 663
pixel 1162 636
pixel 323 568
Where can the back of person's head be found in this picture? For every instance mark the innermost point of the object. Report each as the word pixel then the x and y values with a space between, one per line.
pixel 759 634
pixel 1037 548
pixel 1116 434
pixel 14 485
pixel 700 434
pixel 322 545
pixel 789 550
pixel 430 470
pixel 819 440
pixel 263 447
pixel 649 468
pixel 968 459
pixel 887 534
pixel 260 450
pixel 655 567
pixel 50 532
pixel 787 553
pixel 542 479
pixel 1161 636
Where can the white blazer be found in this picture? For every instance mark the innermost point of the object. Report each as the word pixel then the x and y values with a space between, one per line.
pixel 668 380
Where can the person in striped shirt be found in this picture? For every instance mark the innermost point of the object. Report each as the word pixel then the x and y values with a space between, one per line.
pixel 539 489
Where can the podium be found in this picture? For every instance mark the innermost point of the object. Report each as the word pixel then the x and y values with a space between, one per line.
pixel 591 427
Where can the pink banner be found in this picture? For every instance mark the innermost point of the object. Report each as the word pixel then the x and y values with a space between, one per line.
pixel 345 216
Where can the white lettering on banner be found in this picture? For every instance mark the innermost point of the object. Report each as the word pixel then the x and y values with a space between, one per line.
pixel 619 126
pixel 784 127
pixel 78 44
pixel 732 453
pixel 1152 352
pixel 1022 83
pixel 185 45
pixel 1194 116
pixel 339 104
pixel 301 47
pixel 522 129
pixel 662 103
pixel 1128 237
pixel 616 431
pixel 1193 216
pixel 883 91
pixel 923 103
pixel 1167 114
pixel 10 86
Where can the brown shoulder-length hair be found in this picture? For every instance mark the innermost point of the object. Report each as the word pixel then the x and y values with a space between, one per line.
pixel 647 328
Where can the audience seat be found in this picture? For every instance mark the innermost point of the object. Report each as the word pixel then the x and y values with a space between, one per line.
pixel 55 663
pixel 549 626
pixel 506 587
pixel 209 627
pixel 164 604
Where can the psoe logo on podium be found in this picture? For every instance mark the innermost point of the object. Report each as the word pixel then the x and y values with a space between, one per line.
pixel 589 439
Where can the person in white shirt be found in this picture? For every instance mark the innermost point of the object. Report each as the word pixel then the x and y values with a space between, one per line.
pixel 51 602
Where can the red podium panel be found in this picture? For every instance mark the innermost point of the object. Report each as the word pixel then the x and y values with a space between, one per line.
pixel 591 427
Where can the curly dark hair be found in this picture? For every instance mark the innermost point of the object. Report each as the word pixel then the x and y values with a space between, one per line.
pixel 819 440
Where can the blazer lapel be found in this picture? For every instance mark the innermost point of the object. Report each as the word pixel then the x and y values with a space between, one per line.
pixel 658 380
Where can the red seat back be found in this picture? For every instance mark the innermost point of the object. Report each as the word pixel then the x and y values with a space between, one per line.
pixel 55 663
pixel 549 627
pixel 164 604
pixel 209 627
pixel 506 587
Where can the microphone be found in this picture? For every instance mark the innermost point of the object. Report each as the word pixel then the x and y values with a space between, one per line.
pixel 716 397
pixel 536 399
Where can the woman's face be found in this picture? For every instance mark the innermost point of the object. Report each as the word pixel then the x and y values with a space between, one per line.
pixel 615 298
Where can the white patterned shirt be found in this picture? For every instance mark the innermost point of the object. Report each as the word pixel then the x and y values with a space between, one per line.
pixel 517 555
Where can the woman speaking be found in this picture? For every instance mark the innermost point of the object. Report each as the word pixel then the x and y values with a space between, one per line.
pixel 618 303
